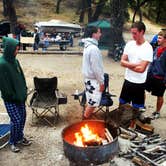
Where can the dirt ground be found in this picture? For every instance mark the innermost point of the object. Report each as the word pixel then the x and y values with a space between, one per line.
pixel 47 146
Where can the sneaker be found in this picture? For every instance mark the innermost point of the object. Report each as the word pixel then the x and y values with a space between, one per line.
pixel 14 149
pixel 143 109
pixel 25 142
pixel 155 115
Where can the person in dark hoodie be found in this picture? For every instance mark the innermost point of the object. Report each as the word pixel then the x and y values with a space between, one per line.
pixel 13 92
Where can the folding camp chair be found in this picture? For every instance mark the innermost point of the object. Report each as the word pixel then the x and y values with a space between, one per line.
pixel 106 100
pixel 46 99
pixel 4 134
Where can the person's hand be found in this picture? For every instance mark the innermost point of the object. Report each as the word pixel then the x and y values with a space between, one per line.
pixel 102 87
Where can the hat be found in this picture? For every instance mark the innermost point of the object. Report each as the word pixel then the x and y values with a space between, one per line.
pixel 36 28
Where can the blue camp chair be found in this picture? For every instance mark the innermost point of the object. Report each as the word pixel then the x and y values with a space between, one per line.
pixel 4 134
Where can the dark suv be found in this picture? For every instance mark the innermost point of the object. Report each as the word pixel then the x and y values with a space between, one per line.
pixel 4 28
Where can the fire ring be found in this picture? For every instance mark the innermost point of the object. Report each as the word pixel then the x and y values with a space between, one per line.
pixel 97 154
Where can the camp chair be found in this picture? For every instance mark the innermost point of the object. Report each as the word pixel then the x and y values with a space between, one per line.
pixel 4 134
pixel 46 99
pixel 106 100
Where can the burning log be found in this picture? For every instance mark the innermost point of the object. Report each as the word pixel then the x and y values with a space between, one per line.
pixel 92 143
pixel 104 142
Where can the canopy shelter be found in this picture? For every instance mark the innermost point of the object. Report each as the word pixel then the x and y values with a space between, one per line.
pixel 54 26
pixel 105 39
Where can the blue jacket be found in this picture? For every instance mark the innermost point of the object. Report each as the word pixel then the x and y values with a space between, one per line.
pixel 158 66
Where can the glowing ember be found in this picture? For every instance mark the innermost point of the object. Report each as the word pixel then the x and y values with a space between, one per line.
pixel 86 137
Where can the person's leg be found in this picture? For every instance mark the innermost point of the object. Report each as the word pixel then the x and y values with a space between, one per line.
pixel 138 97
pixel 93 96
pixel 138 100
pixel 15 119
pixel 21 139
pixel 158 91
pixel 160 101
pixel 125 95
pixel 88 111
pixel 22 112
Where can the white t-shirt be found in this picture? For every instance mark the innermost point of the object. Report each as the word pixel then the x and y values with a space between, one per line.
pixel 137 53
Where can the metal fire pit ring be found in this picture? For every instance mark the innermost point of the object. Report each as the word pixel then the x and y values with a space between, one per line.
pixel 91 154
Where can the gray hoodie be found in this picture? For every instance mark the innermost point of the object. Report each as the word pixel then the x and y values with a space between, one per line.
pixel 92 66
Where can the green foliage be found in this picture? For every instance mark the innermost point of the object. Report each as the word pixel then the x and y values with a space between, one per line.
pixel 155 11
pixel 152 9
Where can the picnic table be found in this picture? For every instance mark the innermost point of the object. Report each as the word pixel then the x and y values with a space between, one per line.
pixel 62 44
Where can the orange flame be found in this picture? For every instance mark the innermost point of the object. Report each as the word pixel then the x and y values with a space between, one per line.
pixel 86 135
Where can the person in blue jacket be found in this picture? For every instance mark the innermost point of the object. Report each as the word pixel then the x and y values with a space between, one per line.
pixel 156 78
pixel 154 41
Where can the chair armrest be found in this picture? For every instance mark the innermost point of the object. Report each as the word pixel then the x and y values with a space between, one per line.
pixel 61 97
pixel 77 95
pixel 30 91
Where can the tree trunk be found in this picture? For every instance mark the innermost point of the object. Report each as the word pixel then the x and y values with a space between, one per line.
pixel 10 13
pixel 58 6
pixel 98 10
pixel 138 6
pixel 82 13
pixel 134 15
pixel 140 14
pixel 158 11
pixel 89 7
pixel 118 8
pixel 5 8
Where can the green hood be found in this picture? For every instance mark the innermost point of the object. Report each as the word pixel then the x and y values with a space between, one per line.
pixel 12 81
pixel 9 45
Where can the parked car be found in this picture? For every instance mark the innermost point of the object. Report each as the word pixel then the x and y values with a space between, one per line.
pixel 4 28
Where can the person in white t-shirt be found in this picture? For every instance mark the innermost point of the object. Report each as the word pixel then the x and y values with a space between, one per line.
pixel 137 55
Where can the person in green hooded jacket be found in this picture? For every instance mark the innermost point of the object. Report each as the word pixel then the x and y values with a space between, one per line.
pixel 13 91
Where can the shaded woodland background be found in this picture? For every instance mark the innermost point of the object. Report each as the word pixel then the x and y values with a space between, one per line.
pixel 84 11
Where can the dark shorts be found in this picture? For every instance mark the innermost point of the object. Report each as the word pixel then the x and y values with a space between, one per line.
pixel 133 93
pixel 155 86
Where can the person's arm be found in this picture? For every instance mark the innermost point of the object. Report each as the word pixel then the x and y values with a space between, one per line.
pixel 141 67
pixel 125 62
pixel 102 87
pixel 97 67
pixel 137 67
pixel 163 64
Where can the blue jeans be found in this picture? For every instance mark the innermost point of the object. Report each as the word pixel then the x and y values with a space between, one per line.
pixel 35 46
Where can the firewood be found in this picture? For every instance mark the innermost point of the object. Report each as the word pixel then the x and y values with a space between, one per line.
pixel 108 135
pixel 104 141
pixel 92 143
pixel 108 138
pixel 139 161
pixel 125 136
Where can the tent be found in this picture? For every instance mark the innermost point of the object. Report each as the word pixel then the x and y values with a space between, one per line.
pixel 57 26
pixel 100 24
pixel 105 39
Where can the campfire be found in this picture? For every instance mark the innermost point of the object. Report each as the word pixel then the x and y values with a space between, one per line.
pixel 89 141
pixel 86 137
